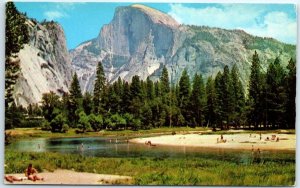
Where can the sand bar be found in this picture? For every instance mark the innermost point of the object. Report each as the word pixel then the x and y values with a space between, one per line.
pixel 233 141
pixel 76 178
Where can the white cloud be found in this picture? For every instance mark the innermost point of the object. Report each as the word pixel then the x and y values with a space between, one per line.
pixel 60 10
pixel 254 19
pixel 277 25
pixel 52 15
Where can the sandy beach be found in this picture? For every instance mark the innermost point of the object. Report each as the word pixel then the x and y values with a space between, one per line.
pixel 233 141
pixel 76 178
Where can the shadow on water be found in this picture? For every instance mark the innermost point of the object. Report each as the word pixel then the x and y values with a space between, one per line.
pixel 119 147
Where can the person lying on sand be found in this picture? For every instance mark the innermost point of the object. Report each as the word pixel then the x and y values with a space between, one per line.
pixel 31 172
pixel 149 143
pixel 11 179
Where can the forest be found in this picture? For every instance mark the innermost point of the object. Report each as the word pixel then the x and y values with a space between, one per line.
pixel 267 102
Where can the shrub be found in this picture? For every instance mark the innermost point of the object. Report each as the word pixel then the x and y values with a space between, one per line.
pixel 46 126
pixel 65 128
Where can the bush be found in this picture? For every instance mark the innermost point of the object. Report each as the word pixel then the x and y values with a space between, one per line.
pixel 65 128
pixel 46 126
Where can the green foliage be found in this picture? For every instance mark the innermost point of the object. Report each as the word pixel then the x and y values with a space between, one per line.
pixel 46 126
pixel 290 86
pixel 99 90
pixel 87 103
pixel 84 123
pixel 58 122
pixel 16 35
pixel 96 122
pixel 184 94
pixel 50 101
pixel 198 99
pixel 74 100
pixel 164 80
pixel 210 102
pixel 255 91
pixel 275 94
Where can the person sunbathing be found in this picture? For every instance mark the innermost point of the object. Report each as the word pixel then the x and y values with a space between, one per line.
pixel 31 173
pixel 11 179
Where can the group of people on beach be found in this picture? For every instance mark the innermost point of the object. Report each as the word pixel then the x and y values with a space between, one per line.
pixel 30 174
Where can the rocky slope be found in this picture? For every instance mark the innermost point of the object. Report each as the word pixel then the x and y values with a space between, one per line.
pixel 141 40
pixel 45 63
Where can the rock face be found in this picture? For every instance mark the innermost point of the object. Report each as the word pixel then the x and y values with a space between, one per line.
pixel 45 63
pixel 141 40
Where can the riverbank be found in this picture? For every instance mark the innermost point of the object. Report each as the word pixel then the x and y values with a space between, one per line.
pixel 61 176
pixel 232 141
pixel 161 170
pixel 22 133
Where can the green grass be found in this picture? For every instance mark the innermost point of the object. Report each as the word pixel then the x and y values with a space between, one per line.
pixel 161 171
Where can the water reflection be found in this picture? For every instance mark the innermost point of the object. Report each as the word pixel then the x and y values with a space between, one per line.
pixel 119 147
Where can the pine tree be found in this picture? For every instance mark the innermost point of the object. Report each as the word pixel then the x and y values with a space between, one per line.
pixel 150 89
pixel 126 97
pixel 197 99
pixel 219 111
pixel 184 94
pixel 276 94
pixel 291 94
pixel 164 80
pixel 227 103
pixel 16 35
pixel 99 90
pixel 75 99
pixel 87 103
pixel 255 92
pixel 238 102
pixel 211 102
pixel 135 87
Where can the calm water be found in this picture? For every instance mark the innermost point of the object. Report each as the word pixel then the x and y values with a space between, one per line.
pixel 118 147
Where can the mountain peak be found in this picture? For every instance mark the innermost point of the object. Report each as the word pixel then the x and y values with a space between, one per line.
pixel 156 15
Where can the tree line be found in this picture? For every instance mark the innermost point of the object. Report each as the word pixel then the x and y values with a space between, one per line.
pixel 218 102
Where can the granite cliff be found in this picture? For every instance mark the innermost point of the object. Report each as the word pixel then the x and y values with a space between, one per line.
pixel 141 40
pixel 45 63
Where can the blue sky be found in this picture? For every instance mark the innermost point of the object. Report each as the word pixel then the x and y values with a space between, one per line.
pixel 83 21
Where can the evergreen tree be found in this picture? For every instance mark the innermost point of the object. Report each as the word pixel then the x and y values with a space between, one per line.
pixel 99 90
pixel 157 89
pixel 16 35
pixel 255 92
pixel 276 94
pixel 219 110
pixel 126 97
pixel 150 89
pixel 75 99
pixel 291 94
pixel 136 96
pixel 238 102
pixel 198 99
pixel 164 80
pixel 184 94
pixel 211 102
pixel 228 100
pixel 87 103
pixel 135 87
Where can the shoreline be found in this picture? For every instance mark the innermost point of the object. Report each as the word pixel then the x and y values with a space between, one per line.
pixel 69 177
pixel 233 141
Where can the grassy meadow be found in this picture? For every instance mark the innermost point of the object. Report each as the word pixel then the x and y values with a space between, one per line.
pixel 161 171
